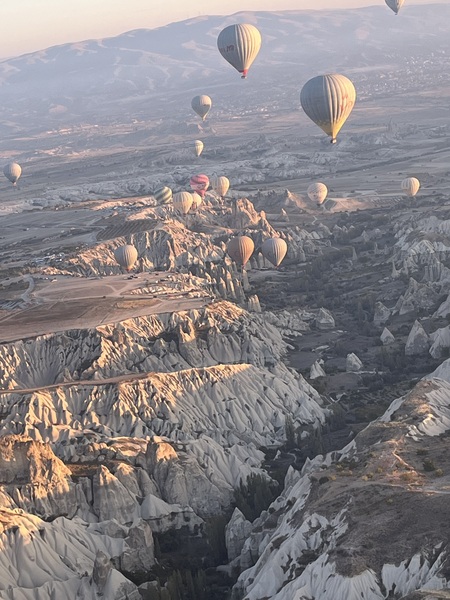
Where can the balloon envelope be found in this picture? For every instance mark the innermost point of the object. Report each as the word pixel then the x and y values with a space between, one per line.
pixel 328 100
pixel 240 249
pixel 182 202
pixel 220 185
pixel 395 5
pixel 126 256
pixel 163 195
pixel 239 45
pixel 198 147
pixel 196 201
pixel 201 105
pixel 274 249
pixel 410 186
pixel 317 192
pixel 12 171
pixel 200 183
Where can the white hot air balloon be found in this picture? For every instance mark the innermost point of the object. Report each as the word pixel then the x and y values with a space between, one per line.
pixel 201 105
pixel 197 201
pixel 220 185
pixel 328 101
pixel 198 147
pixel 126 256
pixel 274 249
pixel 12 171
pixel 317 192
pixel 182 202
pixel 411 186
pixel 239 45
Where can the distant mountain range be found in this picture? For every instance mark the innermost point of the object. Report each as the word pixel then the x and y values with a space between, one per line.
pixel 146 69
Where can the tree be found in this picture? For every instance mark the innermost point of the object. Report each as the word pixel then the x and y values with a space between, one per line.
pixel 290 432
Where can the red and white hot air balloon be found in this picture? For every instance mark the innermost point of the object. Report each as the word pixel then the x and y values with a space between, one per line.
pixel 200 183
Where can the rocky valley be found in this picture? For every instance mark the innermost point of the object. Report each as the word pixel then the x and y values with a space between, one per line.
pixel 190 429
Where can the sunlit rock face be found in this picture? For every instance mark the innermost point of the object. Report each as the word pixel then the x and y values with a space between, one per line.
pixel 68 558
pixel 227 403
pixel 348 525
pixel 145 426
pixel 221 414
pixel 171 244
pixel 158 343
pixel 152 487
pixel 34 479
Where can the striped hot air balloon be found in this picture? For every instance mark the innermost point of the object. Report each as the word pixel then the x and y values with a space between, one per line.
pixel 328 100
pixel 317 192
pixel 239 45
pixel 395 5
pixel 163 195
pixel 411 186
pixel 182 202
pixel 274 249
pixel 200 183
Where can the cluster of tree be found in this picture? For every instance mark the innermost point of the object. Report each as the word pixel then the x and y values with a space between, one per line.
pixel 255 495
pixel 180 585
pixel 185 567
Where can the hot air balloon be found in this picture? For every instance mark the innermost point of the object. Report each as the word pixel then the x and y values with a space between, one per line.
pixel 182 202
pixel 200 183
pixel 317 192
pixel 198 147
pixel 240 249
pixel 12 171
pixel 196 201
pixel 163 195
pixel 274 249
pixel 328 100
pixel 410 186
pixel 239 45
pixel 220 185
pixel 395 5
pixel 201 105
pixel 126 256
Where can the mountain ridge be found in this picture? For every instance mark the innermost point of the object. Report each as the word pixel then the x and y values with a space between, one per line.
pixel 146 65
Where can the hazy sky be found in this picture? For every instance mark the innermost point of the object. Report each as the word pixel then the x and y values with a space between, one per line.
pixel 28 25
